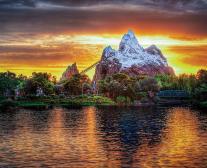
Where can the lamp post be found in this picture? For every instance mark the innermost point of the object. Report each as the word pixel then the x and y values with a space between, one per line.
pixel 125 89
pixel 82 89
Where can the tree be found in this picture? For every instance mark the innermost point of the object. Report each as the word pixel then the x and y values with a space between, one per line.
pixel 77 84
pixel 117 85
pixel 8 83
pixel 120 77
pixel 200 93
pixel 186 82
pixel 166 82
pixel 148 84
pixel 40 80
pixel 202 76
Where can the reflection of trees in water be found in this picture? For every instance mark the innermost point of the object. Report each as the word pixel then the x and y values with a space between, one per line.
pixel 181 143
pixel 138 125
pixel 31 120
pixel 202 116
pixel 8 123
pixel 119 137
pixel 39 120
pixel 28 119
pixel 130 127
pixel 73 118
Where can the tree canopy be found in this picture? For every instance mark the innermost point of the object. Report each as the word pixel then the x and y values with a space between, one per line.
pixel 40 80
pixel 77 84
pixel 9 82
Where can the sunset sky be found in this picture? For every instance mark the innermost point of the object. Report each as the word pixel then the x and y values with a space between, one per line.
pixel 48 35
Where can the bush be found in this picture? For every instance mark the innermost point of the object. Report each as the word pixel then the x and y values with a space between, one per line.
pixel 21 98
pixel 103 100
pixel 72 104
pixel 203 104
pixel 156 99
pixel 62 96
pixel 144 100
pixel 141 95
pixel 147 84
pixel 31 97
pixel 121 100
pixel 7 105
pixel 2 98
pixel 35 105
pixel 87 101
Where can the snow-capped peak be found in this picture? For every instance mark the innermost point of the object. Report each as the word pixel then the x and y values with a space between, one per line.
pixel 108 48
pixel 128 41
pixel 132 53
pixel 132 59
pixel 108 52
pixel 131 33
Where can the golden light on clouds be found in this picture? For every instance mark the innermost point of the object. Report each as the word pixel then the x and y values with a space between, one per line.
pixel 53 53
pixel 49 35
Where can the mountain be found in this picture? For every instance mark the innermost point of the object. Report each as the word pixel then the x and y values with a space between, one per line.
pixel 131 58
pixel 71 70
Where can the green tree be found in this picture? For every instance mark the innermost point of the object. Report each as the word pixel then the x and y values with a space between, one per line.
pixel 117 85
pixel 187 83
pixel 148 84
pixel 166 82
pixel 200 93
pixel 202 76
pixel 77 84
pixel 41 80
pixel 9 82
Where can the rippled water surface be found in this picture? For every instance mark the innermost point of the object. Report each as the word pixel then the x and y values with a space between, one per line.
pixel 91 137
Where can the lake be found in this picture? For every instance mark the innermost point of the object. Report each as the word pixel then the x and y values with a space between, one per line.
pixel 110 137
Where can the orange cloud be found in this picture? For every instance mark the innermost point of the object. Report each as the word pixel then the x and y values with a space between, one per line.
pixel 53 53
pixel 192 55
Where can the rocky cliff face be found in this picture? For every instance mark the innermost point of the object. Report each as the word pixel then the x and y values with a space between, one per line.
pixel 132 59
pixel 71 70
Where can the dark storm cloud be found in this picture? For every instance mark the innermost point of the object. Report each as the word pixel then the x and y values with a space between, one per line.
pixel 46 21
pixel 165 4
pixel 61 16
pixel 17 3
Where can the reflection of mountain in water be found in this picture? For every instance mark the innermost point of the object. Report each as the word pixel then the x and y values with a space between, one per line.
pixel 130 128
pixel 119 137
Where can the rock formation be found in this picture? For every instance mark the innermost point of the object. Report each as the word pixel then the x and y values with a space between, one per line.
pixel 71 70
pixel 132 59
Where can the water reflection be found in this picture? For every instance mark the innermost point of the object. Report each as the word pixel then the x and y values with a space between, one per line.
pixel 126 137
pixel 181 144
pixel 127 129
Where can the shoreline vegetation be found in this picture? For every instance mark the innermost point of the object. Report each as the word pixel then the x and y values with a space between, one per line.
pixel 43 103
pixel 42 91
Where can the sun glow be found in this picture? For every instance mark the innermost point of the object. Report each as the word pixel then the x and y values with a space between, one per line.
pixel 53 53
